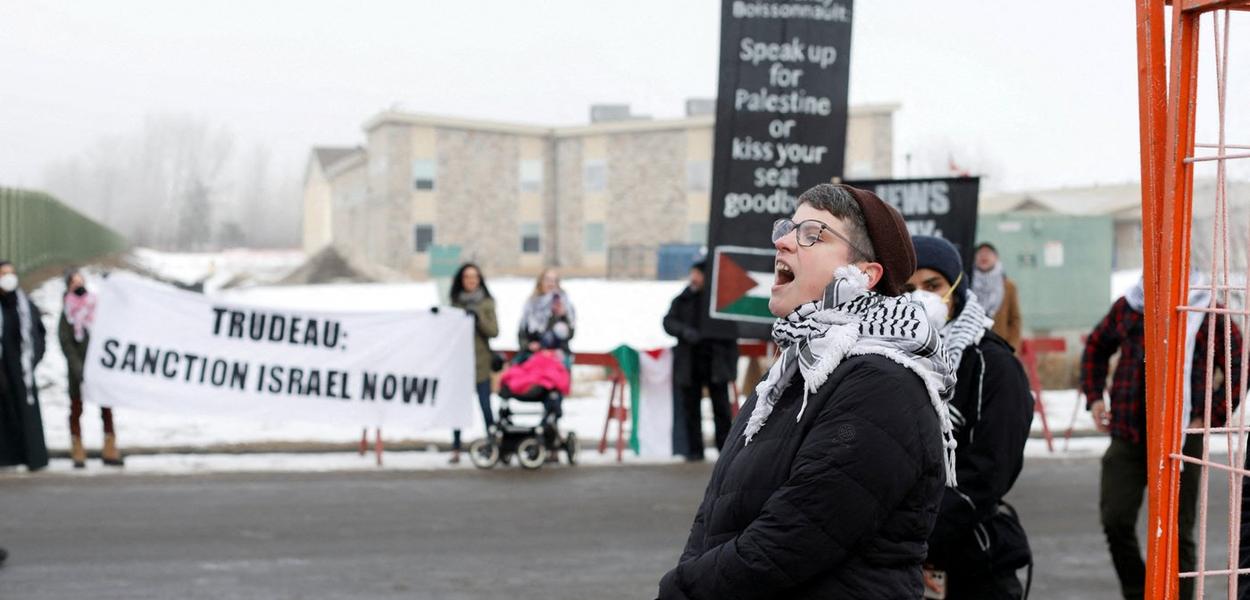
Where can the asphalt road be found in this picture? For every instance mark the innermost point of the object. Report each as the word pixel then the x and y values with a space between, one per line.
pixel 602 532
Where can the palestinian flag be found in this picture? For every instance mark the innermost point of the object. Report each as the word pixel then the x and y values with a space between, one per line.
pixel 650 377
pixel 742 283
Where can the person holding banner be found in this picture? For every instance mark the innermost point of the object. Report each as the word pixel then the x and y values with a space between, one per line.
pixel 834 467
pixel 21 349
pixel 74 332
pixel 469 292
pixel 978 542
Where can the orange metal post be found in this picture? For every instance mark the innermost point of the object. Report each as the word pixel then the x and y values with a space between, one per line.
pixel 1152 112
pixel 1167 259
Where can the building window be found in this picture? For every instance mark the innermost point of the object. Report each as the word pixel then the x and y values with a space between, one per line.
pixel 424 235
pixel 595 176
pixel 531 238
pixel 697 233
pixel 698 175
pixel 531 176
pixel 423 174
pixel 594 238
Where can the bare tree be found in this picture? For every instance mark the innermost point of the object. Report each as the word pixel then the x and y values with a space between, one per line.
pixel 177 183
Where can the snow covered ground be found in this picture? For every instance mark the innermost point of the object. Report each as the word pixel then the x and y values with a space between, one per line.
pixel 609 313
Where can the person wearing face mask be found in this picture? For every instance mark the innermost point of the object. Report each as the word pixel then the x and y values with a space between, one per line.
pixel 977 543
pixel 21 349
pixel 834 468
pixel 74 332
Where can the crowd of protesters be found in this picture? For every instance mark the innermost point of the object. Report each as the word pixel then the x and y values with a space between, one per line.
pixel 872 459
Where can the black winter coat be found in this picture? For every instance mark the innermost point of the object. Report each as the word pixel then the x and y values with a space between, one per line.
pixel 21 423
pixel 684 322
pixel 839 505
pixel 992 411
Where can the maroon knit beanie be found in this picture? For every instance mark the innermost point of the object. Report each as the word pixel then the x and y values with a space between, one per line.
pixel 891 243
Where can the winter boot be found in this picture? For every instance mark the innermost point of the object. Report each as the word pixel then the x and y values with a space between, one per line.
pixel 76 452
pixel 110 454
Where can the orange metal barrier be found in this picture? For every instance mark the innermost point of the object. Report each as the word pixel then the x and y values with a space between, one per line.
pixel 1030 351
pixel 1168 93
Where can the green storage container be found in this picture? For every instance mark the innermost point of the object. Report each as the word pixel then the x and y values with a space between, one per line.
pixel 1061 265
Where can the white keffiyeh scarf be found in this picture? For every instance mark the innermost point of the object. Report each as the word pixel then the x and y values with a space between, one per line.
pixel 851 321
pixel 989 286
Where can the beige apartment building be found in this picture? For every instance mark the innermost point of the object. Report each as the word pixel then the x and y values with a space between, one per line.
pixel 594 200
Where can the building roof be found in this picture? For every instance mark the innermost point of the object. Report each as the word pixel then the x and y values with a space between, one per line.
pixel 1121 201
pixel 605 127
pixel 1087 200
pixel 328 155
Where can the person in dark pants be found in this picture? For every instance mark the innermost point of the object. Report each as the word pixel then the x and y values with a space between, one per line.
pixel 21 348
pixel 978 540
pixel 74 332
pixel 1124 473
pixel 469 292
pixel 700 362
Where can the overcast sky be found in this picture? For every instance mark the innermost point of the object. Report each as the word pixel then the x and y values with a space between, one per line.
pixel 1038 95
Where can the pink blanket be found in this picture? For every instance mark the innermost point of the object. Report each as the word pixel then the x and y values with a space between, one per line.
pixel 543 369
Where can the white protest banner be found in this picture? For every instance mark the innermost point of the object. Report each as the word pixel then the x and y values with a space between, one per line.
pixel 160 348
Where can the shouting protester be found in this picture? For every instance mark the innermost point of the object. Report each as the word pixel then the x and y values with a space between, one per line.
pixel 998 294
pixel 1123 479
pixel 834 468
pixel 469 292
pixel 700 361
pixel 74 332
pixel 21 348
pixel 978 541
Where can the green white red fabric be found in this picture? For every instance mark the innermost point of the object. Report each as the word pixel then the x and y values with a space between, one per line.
pixel 650 377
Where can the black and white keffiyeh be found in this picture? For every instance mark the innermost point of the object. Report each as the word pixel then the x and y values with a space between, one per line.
pixel 851 321
pixel 964 330
pixel 537 314
pixel 989 286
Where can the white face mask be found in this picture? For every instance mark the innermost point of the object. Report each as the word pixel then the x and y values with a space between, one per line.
pixel 934 307
pixel 8 282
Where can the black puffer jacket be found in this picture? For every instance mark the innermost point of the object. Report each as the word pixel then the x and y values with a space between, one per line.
pixel 839 505
pixel 992 411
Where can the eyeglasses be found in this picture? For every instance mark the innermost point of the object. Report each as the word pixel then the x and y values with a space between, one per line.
pixel 808 233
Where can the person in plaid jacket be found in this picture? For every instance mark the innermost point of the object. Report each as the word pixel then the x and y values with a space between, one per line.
pixel 1123 480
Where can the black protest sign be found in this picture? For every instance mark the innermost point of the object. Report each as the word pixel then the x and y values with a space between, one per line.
pixel 781 115
pixel 941 207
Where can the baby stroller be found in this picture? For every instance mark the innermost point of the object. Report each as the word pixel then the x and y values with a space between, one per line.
pixel 540 378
